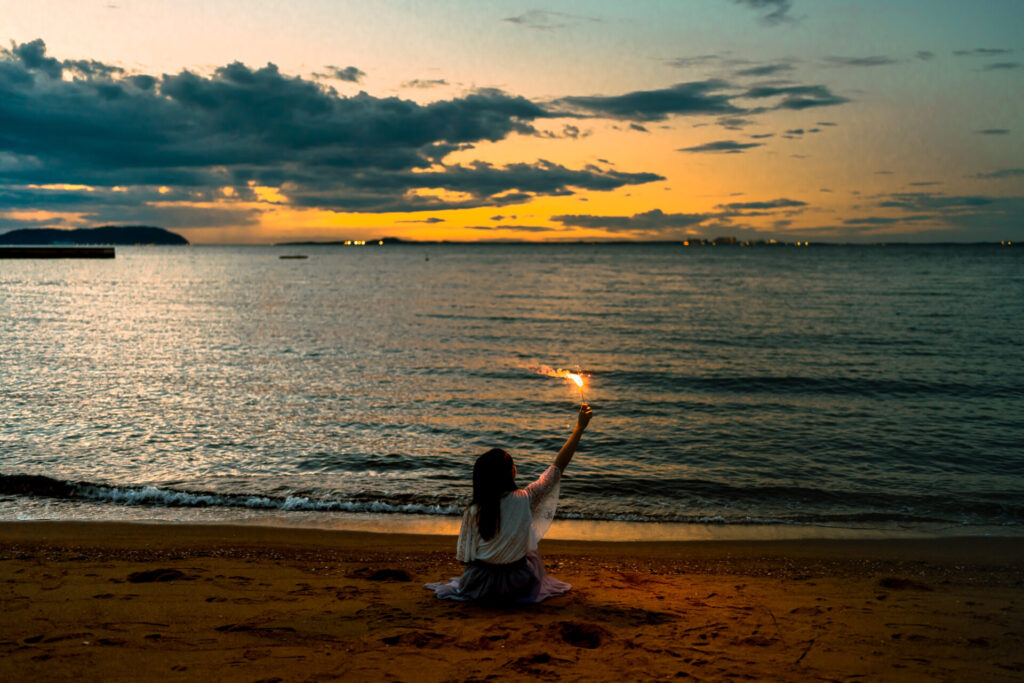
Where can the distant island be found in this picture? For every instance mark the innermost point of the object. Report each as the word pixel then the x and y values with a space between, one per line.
pixel 106 234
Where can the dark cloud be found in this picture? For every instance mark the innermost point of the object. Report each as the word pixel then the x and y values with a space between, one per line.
pixel 925 55
pixel 724 146
pixel 7 224
pixel 59 197
pixel 761 136
pixel 87 68
pixel 797 96
pixel 870 221
pixel 425 83
pixel 650 221
pixel 982 52
pixel 481 184
pixel 176 216
pixel 776 11
pixel 956 218
pixel 926 183
pixel 886 220
pixel 637 127
pixel 543 20
pixel 1001 66
pixel 696 60
pixel 570 132
pixel 242 126
pixel 520 228
pixel 542 177
pixel 826 123
pixel 697 97
pixel 1001 174
pixel 780 203
pixel 349 73
pixel 733 122
pixel 993 131
pixel 875 60
pixel 927 201
pixel 33 56
pixel 431 220
pixel 709 97
pixel 765 70
pixel 168 208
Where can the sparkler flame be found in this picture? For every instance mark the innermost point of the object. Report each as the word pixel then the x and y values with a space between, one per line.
pixel 574 377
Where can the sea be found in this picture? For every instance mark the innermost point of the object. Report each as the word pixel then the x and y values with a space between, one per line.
pixel 738 392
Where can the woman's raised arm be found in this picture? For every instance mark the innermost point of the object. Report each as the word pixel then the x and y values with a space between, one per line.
pixel 567 451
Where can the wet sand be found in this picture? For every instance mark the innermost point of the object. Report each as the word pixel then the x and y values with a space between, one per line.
pixel 115 601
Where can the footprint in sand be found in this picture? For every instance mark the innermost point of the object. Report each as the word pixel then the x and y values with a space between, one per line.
pixel 528 665
pixel 110 641
pixel 635 616
pixel 380 574
pixel 258 630
pixel 347 592
pixel 417 639
pixel 756 641
pixel 15 604
pixel 896 583
pixel 588 636
pixel 159 576
pixel 810 611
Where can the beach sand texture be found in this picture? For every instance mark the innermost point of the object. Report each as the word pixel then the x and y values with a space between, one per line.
pixel 115 601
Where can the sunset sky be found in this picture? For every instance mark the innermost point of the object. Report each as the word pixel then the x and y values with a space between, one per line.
pixel 234 121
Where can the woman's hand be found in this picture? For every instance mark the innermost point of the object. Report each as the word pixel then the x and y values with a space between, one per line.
pixel 584 418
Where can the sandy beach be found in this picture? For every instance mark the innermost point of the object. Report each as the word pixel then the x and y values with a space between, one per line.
pixel 118 601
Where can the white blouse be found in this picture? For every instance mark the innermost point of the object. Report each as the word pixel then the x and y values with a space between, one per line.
pixel 525 517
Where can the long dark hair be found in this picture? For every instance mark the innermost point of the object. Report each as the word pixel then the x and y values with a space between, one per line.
pixel 492 478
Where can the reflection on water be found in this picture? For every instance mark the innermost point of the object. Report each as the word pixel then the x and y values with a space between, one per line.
pixel 838 386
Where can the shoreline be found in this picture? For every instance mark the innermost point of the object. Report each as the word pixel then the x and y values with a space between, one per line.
pixel 561 529
pixel 109 600
pixel 191 539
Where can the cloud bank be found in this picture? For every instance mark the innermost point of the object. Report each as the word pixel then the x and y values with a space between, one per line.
pixel 776 11
pixel 113 140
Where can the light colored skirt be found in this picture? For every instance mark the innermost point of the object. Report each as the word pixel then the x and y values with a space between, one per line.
pixel 523 581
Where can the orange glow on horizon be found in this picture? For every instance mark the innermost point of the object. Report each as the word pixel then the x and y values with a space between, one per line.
pixel 66 187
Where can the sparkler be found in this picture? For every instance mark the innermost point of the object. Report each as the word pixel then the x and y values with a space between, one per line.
pixel 574 377
pixel 578 379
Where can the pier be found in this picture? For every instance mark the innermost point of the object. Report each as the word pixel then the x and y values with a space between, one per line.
pixel 56 252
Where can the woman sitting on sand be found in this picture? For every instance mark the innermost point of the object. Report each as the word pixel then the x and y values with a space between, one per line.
pixel 501 528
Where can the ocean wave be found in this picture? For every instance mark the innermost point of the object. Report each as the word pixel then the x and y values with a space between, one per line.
pixel 30 485
pixel 723 511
